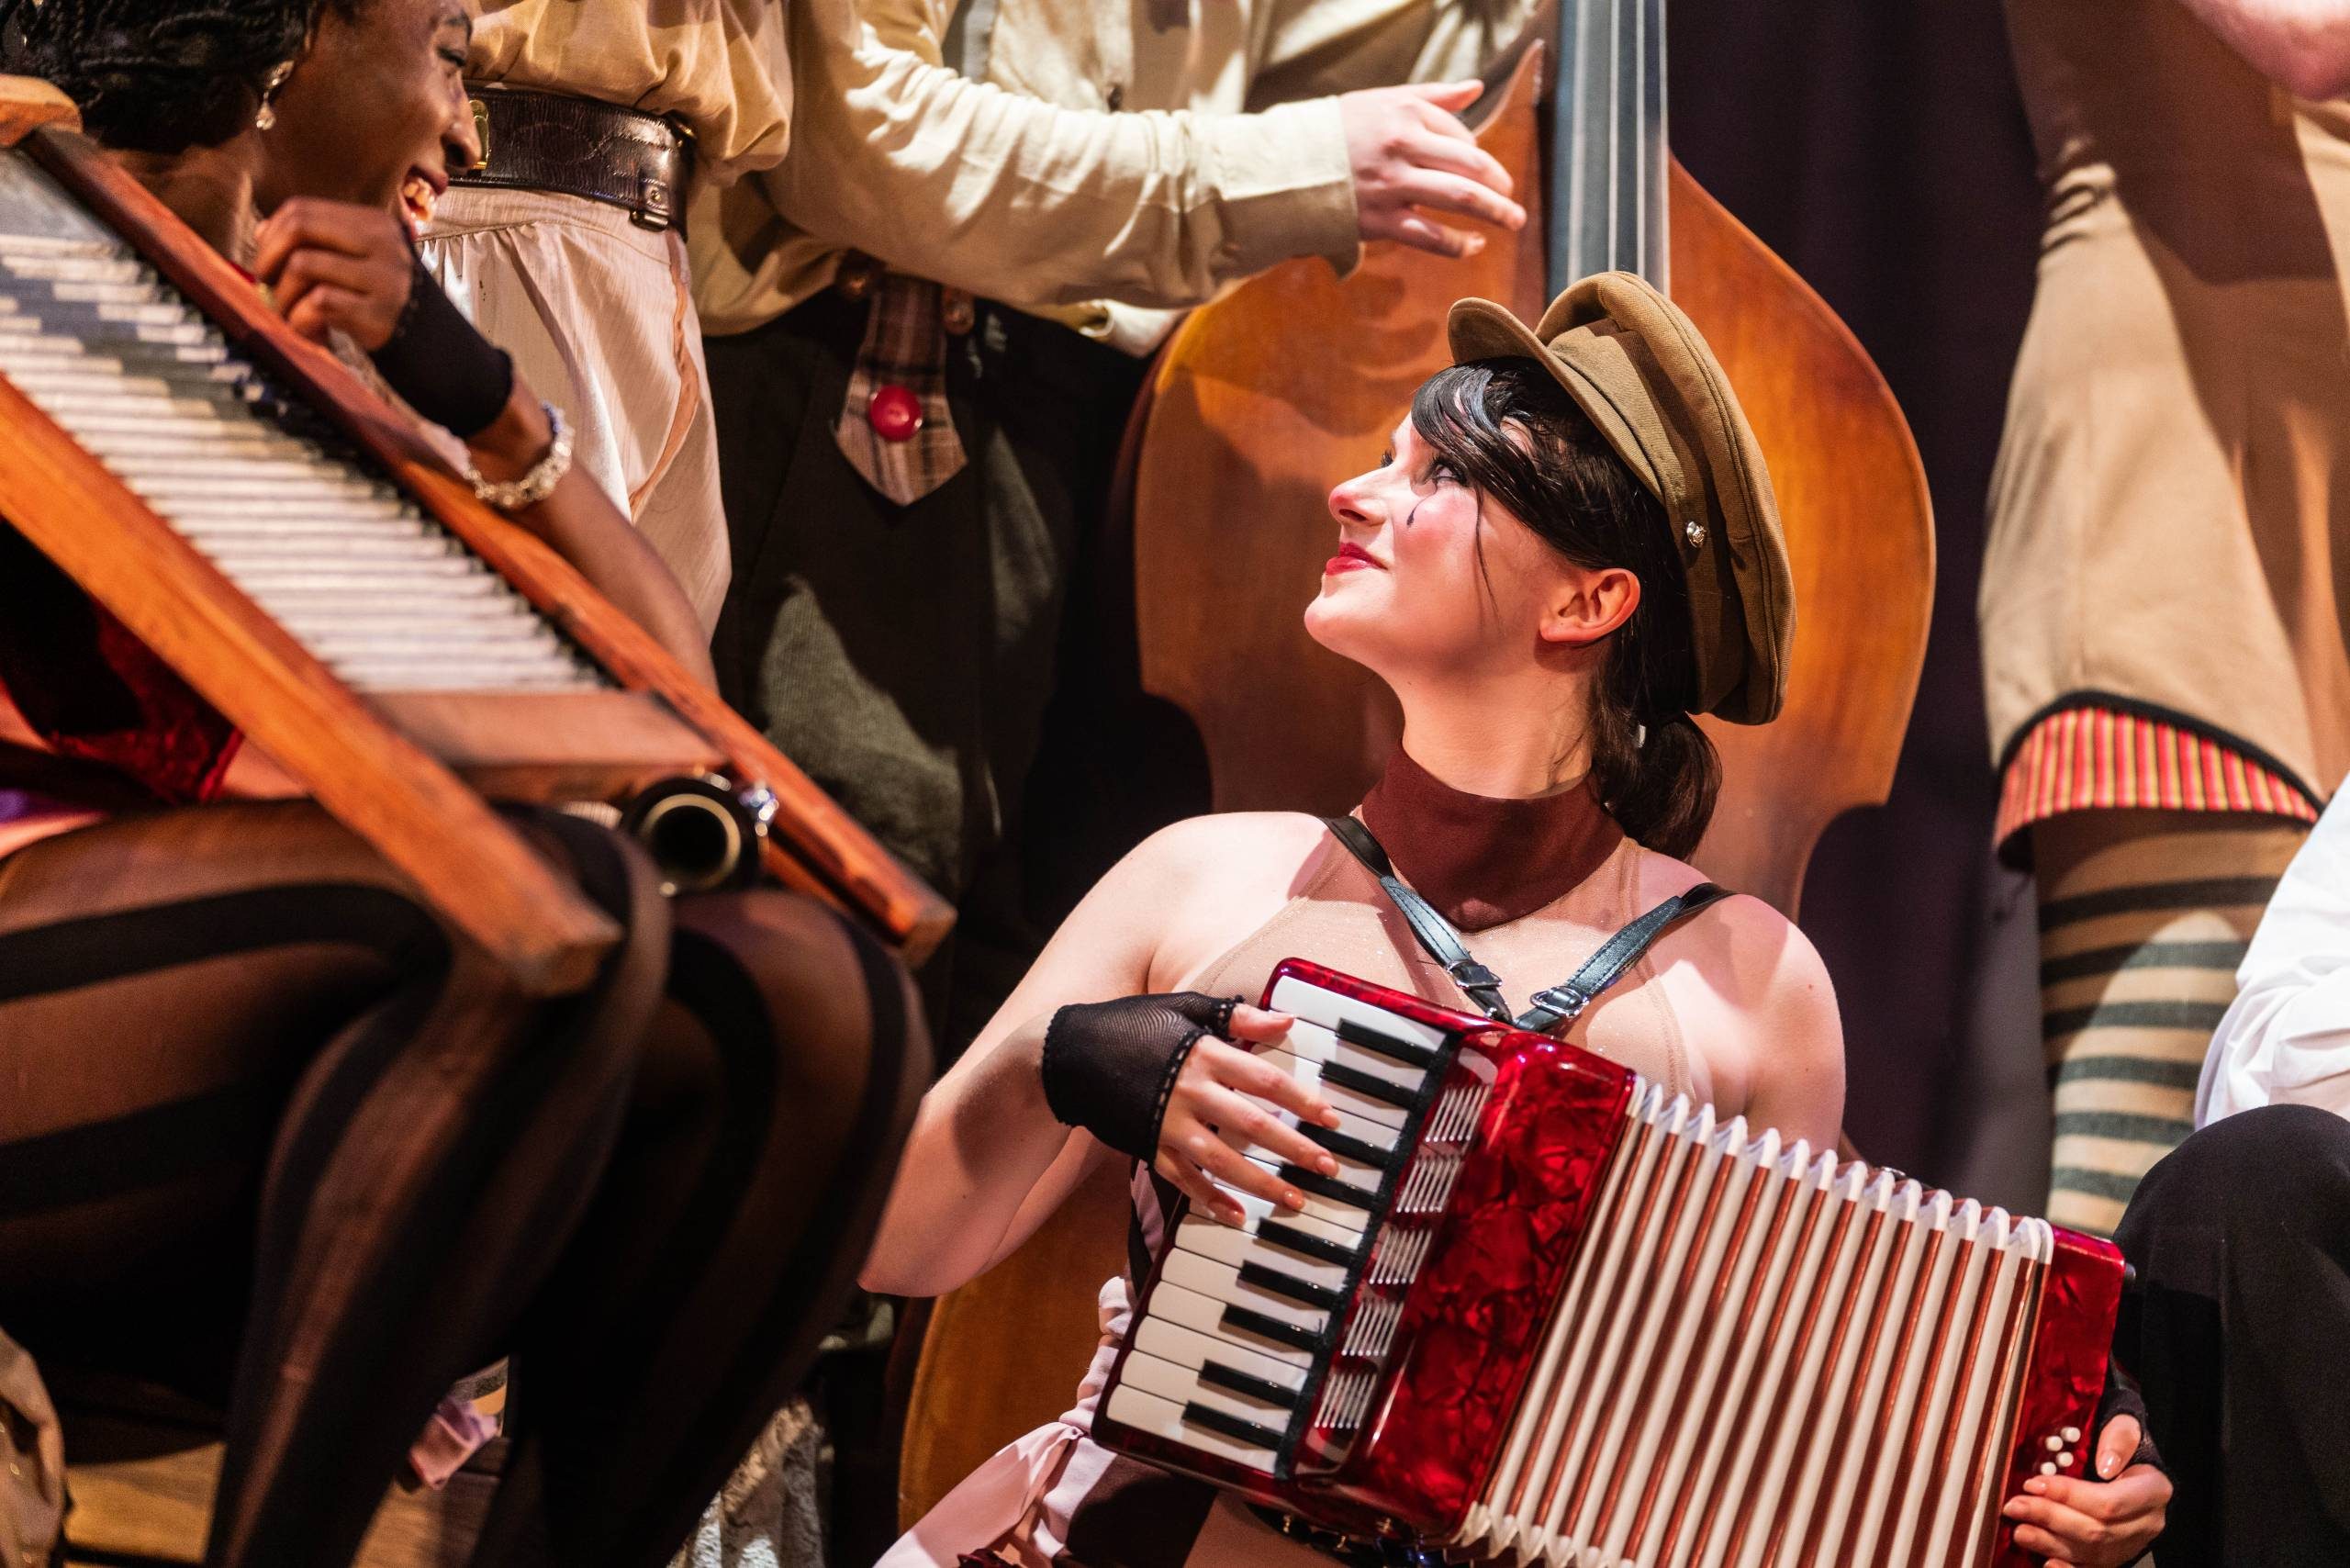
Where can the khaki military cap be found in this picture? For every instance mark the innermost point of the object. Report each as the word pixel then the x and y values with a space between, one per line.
pixel 1636 364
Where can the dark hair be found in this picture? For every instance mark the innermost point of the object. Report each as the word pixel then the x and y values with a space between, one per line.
pixel 158 75
pixel 1509 429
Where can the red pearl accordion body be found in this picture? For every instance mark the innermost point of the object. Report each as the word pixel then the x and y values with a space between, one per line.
pixel 1588 1326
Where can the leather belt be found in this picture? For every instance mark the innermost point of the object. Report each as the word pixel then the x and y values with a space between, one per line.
pixel 551 141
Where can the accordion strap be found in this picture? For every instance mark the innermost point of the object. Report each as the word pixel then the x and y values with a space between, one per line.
pixel 1553 1005
pixel 1559 1004
pixel 1432 931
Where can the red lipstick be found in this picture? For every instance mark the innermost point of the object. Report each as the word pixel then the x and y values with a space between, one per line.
pixel 1351 557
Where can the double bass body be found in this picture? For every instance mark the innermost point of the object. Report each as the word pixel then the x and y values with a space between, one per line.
pixel 1296 376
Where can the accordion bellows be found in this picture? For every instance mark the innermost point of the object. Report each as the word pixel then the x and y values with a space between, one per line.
pixel 1546 1314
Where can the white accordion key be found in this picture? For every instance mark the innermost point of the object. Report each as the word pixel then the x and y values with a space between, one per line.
pixel 1316 1044
pixel 1327 1010
pixel 1164 1418
pixel 1224 1283
pixel 1376 1138
pixel 1346 1101
pixel 1212 1238
pixel 1171 1302
pixel 1329 1210
pixel 1188 1348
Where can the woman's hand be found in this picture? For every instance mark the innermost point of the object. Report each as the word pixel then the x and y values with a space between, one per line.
pixel 335 266
pixel 1210 1119
pixel 2102 1524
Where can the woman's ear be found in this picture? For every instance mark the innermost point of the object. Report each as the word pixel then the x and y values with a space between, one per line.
pixel 1588 604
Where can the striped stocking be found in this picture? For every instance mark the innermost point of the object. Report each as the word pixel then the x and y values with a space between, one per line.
pixel 2144 918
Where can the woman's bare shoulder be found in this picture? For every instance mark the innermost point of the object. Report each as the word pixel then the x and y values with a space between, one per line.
pixel 1223 844
pixel 1754 996
pixel 1747 951
pixel 1204 883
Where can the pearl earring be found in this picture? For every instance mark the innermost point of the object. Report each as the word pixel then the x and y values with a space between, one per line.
pixel 267 118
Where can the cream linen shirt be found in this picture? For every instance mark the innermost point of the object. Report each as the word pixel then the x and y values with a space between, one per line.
pixel 718 66
pixel 1228 156
pixel 2286 1038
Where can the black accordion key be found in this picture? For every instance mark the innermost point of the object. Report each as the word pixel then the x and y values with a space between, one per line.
pixel 1345 1147
pixel 1289 1239
pixel 1370 1086
pixel 1329 1187
pixel 1405 1051
pixel 1244 1321
pixel 1241 1383
pixel 1232 1426
pixel 1305 1292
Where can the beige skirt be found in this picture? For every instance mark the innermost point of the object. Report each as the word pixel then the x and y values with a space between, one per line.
pixel 2174 481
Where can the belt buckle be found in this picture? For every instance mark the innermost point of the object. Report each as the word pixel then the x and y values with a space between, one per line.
pixel 481 128
pixel 652 209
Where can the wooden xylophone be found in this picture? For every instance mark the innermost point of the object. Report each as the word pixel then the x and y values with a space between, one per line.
pixel 1546 1314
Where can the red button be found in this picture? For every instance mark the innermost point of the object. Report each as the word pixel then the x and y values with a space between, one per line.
pixel 894 412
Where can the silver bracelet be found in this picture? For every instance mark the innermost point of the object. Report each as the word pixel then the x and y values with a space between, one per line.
pixel 514 495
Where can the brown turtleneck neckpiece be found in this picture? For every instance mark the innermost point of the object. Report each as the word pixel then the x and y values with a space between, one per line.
pixel 1483 861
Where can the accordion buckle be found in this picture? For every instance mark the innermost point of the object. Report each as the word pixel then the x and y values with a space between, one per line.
pixel 1565 1001
pixel 1470 972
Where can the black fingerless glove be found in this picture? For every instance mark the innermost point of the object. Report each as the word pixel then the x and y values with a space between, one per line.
pixel 2121 1398
pixel 1108 1067
pixel 444 368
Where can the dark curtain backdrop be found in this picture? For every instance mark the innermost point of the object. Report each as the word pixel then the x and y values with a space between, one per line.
pixel 1880 148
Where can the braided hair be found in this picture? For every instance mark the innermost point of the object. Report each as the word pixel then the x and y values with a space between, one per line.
pixel 158 75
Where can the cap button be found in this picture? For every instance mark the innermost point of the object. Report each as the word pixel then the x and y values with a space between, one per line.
pixel 1694 531
pixel 894 412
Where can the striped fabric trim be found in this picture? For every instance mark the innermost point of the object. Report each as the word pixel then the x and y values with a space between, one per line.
pixel 2096 756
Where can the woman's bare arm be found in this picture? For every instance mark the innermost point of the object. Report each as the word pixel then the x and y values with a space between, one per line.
pixel 1798 1083
pixel 2301 45
pixel 1755 1001
pixel 580 523
pixel 333 267
pixel 987 1162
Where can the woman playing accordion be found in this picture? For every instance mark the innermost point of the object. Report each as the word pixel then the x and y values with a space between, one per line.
pixel 1570 549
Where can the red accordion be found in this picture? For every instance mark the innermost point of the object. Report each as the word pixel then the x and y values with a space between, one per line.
pixel 1545 1314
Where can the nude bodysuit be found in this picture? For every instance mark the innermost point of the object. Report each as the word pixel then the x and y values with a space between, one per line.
pixel 1054 1496
pixel 1342 920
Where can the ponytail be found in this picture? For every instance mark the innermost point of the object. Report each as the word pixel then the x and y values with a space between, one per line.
pixel 1662 792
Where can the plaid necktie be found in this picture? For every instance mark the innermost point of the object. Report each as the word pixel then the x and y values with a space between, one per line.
pixel 895 427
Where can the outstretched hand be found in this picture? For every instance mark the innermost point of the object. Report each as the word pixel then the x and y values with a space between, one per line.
pixel 336 266
pixel 1209 1112
pixel 2100 1524
pixel 1410 151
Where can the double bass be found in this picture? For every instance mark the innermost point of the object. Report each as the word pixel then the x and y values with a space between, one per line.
pixel 1261 399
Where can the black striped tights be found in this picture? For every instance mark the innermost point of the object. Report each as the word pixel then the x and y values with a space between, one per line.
pixel 2144 918
pixel 270 1135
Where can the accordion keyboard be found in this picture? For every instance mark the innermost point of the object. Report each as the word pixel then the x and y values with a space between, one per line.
pixel 257 481
pixel 1246 1330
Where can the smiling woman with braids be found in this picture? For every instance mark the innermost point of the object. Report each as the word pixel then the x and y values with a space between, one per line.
pixel 268 1131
